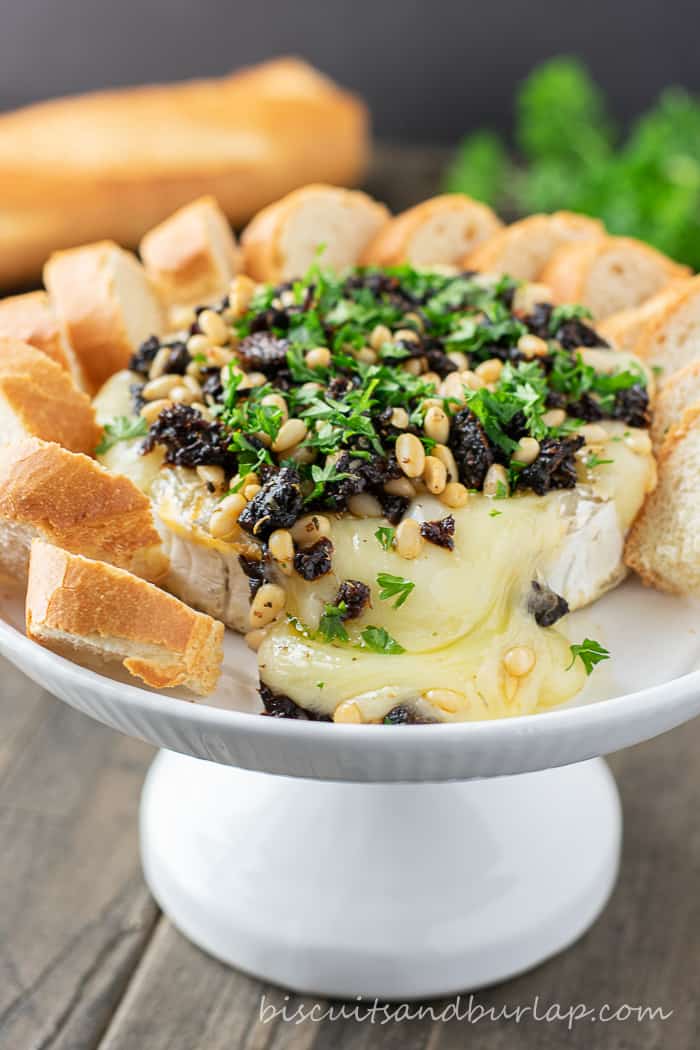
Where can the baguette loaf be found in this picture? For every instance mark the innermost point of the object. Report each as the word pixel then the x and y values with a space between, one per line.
pixel 283 239
pixel 86 609
pixel 115 163
pixel 663 546
pixel 38 398
pixel 671 339
pixel 609 274
pixel 106 304
pixel 441 230
pixel 70 500
pixel 679 392
pixel 192 255
pixel 523 248
pixel 32 319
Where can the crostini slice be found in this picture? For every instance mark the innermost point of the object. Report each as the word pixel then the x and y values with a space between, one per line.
pixel 663 546
pixel 680 392
pixel 441 230
pixel 38 398
pixel 524 248
pixel 609 274
pixel 106 305
pixel 70 500
pixel 672 339
pixel 192 255
pixel 31 319
pixel 284 239
pixel 87 610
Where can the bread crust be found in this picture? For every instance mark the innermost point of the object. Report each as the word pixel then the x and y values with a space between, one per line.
pixel 31 319
pixel 653 334
pixel 392 244
pixel 70 597
pixel 182 259
pixel 666 406
pixel 84 285
pixel 43 400
pixel 72 501
pixel 261 242
pixel 137 154
pixel 553 230
pixel 626 329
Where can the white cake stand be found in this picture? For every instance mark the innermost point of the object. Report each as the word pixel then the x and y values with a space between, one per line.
pixel 390 861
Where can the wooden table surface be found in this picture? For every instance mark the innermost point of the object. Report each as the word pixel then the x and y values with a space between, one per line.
pixel 87 961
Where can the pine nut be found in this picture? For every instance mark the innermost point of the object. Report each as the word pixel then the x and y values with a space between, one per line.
pixel 472 380
pixel 367 355
pixel 455 495
pixel 281 547
pixel 241 291
pixel 213 325
pixel 255 638
pixel 193 369
pixel 490 371
pixel 414 366
pixel 399 418
pixel 532 346
pixel 152 409
pixel 363 505
pixel 192 384
pixel 251 491
pixel 408 539
pixel 217 357
pixel 223 521
pixel 319 357
pixel 267 604
pixel 459 359
pixel 527 296
pixel 310 388
pixel 496 481
pixel 639 442
pixel 252 379
pixel 289 434
pixel 415 319
pixel 277 401
pixel 437 424
pixel 447 700
pixel 302 454
pixel 554 418
pixel 251 479
pixel 593 434
pixel 527 451
pixel 444 454
pixel 519 660
pixel 212 476
pixel 198 344
pixel 348 713
pixel 180 394
pixel 160 387
pixel 159 363
pixel 308 530
pixel 400 487
pixel 181 317
pixel 453 387
pixel 410 455
pixel 380 335
pixel 432 378
pixel 406 335
pixel 434 475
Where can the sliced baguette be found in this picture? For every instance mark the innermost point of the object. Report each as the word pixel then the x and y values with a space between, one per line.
pixel 70 500
pixel 115 163
pixel 32 319
pixel 192 255
pixel 283 240
pixel 86 609
pixel 38 398
pixel 626 328
pixel 671 340
pixel 680 392
pixel 663 546
pixel 106 305
pixel 609 274
pixel 441 231
pixel 524 248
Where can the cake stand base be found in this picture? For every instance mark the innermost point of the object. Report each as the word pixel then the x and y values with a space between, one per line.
pixel 395 891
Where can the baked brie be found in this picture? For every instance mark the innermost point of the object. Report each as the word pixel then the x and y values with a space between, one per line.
pixel 395 483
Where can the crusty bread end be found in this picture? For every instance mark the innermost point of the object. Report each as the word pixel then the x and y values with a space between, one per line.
pixel 524 248
pixel 680 392
pixel 31 319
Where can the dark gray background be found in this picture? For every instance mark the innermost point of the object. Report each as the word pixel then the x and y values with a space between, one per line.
pixel 430 70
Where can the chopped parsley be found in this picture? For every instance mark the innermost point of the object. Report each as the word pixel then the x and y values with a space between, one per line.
pixel 595 461
pixel 385 536
pixel 394 587
pixel 122 428
pixel 590 653
pixel 495 513
pixel 331 627
pixel 380 641
pixel 567 312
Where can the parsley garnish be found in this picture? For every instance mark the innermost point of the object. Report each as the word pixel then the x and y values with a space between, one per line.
pixel 380 641
pixel 590 653
pixel 321 476
pixel 331 626
pixel 385 537
pixel 595 461
pixel 567 312
pixel 495 513
pixel 394 587
pixel 122 428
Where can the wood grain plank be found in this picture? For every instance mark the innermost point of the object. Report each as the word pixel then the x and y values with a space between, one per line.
pixel 75 912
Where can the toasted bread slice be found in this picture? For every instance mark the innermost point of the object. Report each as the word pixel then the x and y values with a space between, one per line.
pixel 106 305
pixel 680 392
pixel 441 231
pixel 68 499
pixel 663 546
pixel 86 609
pixel 609 274
pixel 524 248
pixel 31 319
pixel 192 255
pixel 38 398
pixel 626 329
pixel 671 339
pixel 283 240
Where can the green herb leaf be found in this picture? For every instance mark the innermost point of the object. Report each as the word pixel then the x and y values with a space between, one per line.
pixel 385 537
pixel 122 428
pixel 590 653
pixel 594 460
pixel 331 627
pixel 380 641
pixel 394 587
pixel 495 513
pixel 567 312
